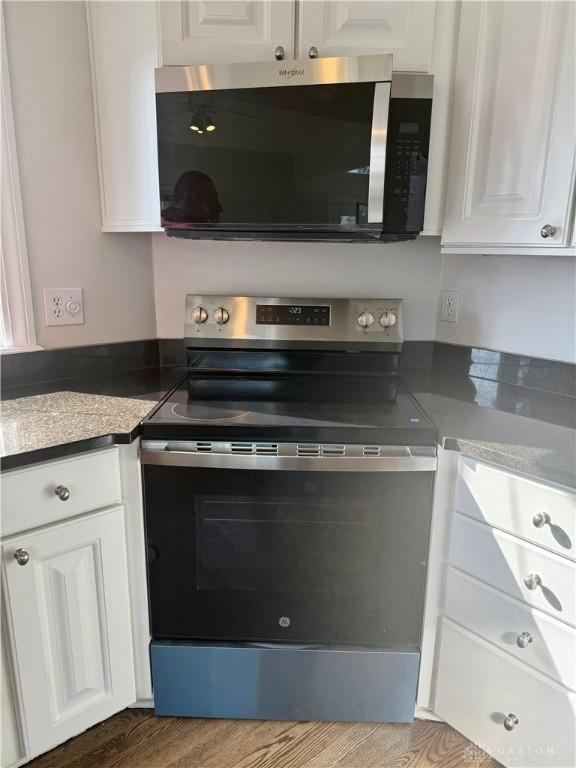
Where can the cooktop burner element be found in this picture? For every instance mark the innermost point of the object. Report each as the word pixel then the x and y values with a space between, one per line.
pixel 198 411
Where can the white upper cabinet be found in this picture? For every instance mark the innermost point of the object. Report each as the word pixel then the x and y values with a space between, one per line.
pixel 123 41
pixel 69 614
pixel 353 28
pixel 210 31
pixel 511 177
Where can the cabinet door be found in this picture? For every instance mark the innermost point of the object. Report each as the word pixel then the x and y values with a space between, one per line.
pixel 353 28
pixel 10 739
pixel 210 31
pixel 123 41
pixel 513 140
pixel 70 619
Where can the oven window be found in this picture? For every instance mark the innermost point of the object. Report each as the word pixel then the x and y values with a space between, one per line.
pixel 283 545
pixel 298 154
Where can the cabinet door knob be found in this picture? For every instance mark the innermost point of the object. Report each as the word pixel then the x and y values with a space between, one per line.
pixel 510 722
pixel 21 556
pixel 533 581
pixel 62 492
pixel 524 639
pixel 313 52
pixel 547 231
pixel 541 519
pixel 279 52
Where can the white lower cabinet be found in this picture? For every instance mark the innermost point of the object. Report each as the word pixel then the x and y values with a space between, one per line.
pixel 68 609
pixel 516 715
pixel 505 672
pixel 11 747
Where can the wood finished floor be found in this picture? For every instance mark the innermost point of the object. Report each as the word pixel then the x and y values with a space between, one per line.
pixel 136 739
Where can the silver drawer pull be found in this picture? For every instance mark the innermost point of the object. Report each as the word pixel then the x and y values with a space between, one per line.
pixel 524 639
pixel 533 581
pixel 541 519
pixel 21 556
pixel 279 53
pixel 547 231
pixel 510 722
pixel 62 492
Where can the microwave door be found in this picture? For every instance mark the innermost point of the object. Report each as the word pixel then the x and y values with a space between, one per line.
pixel 378 153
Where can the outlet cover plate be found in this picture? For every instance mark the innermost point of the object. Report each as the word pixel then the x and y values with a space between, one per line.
pixel 63 306
pixel 449 305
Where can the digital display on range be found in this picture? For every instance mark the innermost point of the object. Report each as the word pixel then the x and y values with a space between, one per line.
pixel 292 314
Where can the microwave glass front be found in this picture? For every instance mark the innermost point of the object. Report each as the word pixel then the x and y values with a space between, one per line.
pixel 297 155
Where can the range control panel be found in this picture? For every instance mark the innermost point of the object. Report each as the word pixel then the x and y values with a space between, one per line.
pixel 257 318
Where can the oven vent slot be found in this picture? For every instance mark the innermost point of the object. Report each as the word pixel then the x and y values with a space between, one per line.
pixel 371 450
pixel 333 450
pixel 246 449
pixel 204 447
pixel 266 449
pixel 308 450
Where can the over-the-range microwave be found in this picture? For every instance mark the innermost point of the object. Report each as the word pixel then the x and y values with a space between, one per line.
pixel 313 149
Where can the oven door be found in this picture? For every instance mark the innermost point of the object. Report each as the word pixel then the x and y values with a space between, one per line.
pixel 265 548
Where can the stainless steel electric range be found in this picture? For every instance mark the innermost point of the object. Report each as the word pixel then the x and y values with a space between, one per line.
pixel 288 491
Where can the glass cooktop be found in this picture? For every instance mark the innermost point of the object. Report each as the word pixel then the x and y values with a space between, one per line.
pixel 275 401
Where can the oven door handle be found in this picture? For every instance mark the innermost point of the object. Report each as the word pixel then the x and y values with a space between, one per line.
pixel 398 459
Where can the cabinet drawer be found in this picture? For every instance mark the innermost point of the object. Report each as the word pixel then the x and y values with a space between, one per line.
pixel 529 635
pixel 478 687
pixel 544 515
pixel 506 562
pixel 29 496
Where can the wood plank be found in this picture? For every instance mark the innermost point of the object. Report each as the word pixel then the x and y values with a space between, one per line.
pixel 138 739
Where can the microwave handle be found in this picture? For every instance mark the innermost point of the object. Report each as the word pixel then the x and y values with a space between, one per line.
pixel 378 153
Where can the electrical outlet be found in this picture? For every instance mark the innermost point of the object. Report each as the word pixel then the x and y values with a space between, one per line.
pixel 63 306
pixel 449 306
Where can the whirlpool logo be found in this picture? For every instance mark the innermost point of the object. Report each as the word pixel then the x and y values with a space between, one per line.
pixel 288 73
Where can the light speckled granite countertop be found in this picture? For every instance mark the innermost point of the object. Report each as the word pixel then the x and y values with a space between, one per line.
pixel 77 415
pixel 41 421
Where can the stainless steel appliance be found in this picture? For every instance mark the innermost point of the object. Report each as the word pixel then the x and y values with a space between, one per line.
pixel 314 149
pixel 288 487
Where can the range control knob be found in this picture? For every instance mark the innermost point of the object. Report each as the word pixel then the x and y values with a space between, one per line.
pixel 221 315
pixel 199 315
pixel 365 319
pixel 388 320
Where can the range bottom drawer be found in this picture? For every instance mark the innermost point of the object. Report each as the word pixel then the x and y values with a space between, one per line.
pixel 284 682
pixel 480 690
pixel 526 633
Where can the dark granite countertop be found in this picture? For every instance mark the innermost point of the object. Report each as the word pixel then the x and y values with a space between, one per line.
pixel 520 428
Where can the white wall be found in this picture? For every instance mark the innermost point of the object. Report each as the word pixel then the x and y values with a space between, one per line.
pixel 50 70
pixel 403 270
pixel 520 304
